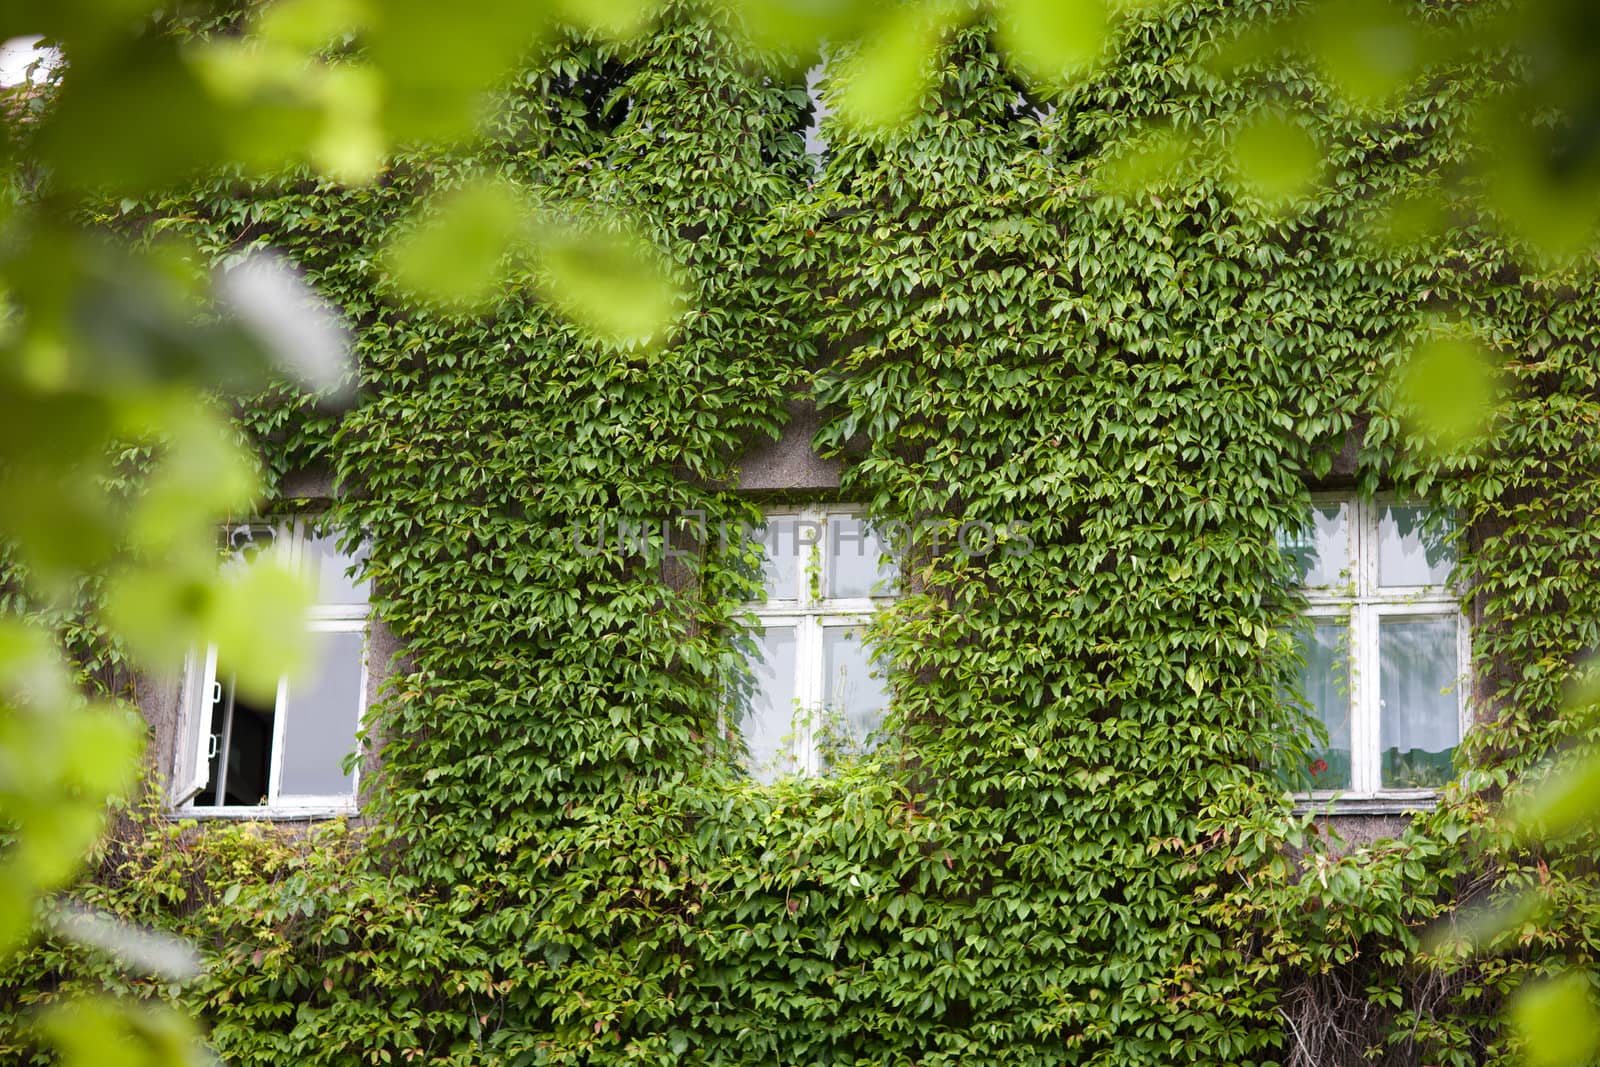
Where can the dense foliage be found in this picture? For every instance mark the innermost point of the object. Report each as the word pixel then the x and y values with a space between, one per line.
pixel 1074 848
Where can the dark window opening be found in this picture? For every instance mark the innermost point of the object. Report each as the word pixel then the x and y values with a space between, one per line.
pixel 1027 111
pixel 593 96
pixel 240 749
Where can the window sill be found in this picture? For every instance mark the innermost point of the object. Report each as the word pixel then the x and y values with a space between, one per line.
pixel 1378 804
pixel 265 814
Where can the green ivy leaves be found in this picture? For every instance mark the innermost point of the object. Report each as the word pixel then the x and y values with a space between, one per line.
pixel 1071 845
pixel 476 239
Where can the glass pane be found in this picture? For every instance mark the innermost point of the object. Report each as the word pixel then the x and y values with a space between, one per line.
pixel 781 549
pixel 859 565
pixel 1320 548
pixel 767 724
pixel 332 570
pixel 816 146
pixel 1411 548
pixel 1324 644
pixel 320 719
pixel 854 696
pixel 1420 721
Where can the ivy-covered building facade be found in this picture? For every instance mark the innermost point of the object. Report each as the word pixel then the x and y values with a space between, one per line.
pixel 915 656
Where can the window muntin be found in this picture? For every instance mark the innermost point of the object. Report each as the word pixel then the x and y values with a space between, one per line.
pixel 1384 648
pixel 284 755
pixel 818 696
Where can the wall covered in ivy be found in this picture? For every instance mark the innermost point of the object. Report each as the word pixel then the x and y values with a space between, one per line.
pixel 1073 848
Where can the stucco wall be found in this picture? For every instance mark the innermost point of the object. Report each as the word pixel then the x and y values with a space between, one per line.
pixel 789 463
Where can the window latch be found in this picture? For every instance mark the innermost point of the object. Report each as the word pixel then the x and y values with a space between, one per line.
pixel 211 746
pixel 216 692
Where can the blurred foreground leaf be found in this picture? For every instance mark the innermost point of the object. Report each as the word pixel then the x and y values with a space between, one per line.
pixel 141 118
pixel 1247 46
pixel 437 61
pixel 138 950
pixel 61 757
pixel 1275 160
pixel 307 25
pixel 616 19
pixel 612 283
pixel 253 613
pixel 1450 384
pixel 801 25
pixel 1369 49
pixel 1566 801
pixel 890 71
pixel 199 471
pixel 1557 1021
pixel 1054 42
pixel 603 276
pixel 1541 176
pixel 1410 221
pixel 297 330
pixel 1151 160
pixel 95 1032
pixel 456 255
pixel 258 623
pixel 1479 927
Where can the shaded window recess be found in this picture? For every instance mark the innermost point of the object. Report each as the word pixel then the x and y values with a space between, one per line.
pixel 593 96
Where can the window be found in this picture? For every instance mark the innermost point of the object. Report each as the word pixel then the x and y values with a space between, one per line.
pixel 818 697
pixel 26 60
pixel 1385 648
pixel 817 110
pixel 240 756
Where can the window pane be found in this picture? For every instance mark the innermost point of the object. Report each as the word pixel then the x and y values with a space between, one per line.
pixel 854 695
pixel 816 146
pixel 1411 548
pixel 780 557
pixel 332 570
pixel 320 719
pixel 1420 719
pixel 1324 644
pixel 859 565
pixel 1321 548
pixel 767 724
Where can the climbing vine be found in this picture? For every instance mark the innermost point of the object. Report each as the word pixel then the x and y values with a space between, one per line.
pixel 1074 846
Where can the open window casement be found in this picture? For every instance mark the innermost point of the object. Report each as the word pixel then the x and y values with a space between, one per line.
pixel 195 739
pixel 284 752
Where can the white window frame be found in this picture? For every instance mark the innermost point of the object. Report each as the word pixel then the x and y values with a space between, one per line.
pixel 1364 603
pixel 812 613
pixel 195 742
